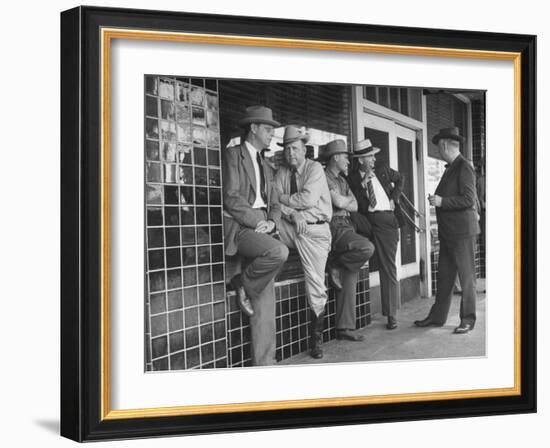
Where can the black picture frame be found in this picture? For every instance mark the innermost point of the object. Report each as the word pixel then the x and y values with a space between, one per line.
pixel 82 406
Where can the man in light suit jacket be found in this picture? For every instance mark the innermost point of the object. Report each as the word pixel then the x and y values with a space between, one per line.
pixel 455 202
pixel 249 229
pixel 378 192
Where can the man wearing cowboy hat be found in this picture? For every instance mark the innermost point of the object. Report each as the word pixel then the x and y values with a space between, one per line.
pixel 304 197
pixel 350 251
pixel 378 194
pixel 249 228
pixel 455 202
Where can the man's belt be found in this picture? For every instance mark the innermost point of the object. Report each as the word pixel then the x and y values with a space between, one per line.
pixel 316 223
pixel 381 211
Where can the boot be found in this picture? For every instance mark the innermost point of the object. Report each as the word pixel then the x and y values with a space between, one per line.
pixel 316 338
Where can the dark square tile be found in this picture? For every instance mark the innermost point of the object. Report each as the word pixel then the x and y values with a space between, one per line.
pixel 286 352
pixel 152 150
pixel 303 345
pixel 156 281
pixel 279 339
pixel 235 320
pixel 189 256
pixel 215 196
pixel 236 355
pixel 219 330
pixel 217 253
pixel 191 317
pixel 188 236
pixel 286 321
pixel 158 303
pixel 204 274
pixel 155 238
pixel 213 157
pixel 202 215
pixel 186 175
pixel 278 324
pixel 156 259
pixel 285 307
pixel 246 354
pixel 211 84
pixel 207 333
pixel 295 348
pixel 190 296
pixel 173 258
pixel 294 334
pixel 159 347
pixel 191 337
pixel 286 337
pixel 171 216
pixel 219 310
pixel 201 196
pixel 172 236
pixel 173 278
pixel 187 214
pixel 215 215
pixel 152 128
pixel 216 234
pixel 189 277
pixel 205 313
pixel 214 177
pixel 285 292
pixel 220 349
pixel 154 216
pixel 193 358
pixel 187 196
pixel 177 341
pixel 170 195
pixel 205 294
pixel 203 235
pixel 177 361
pixel 207 352
pixel 158 325
pixel 294 319
pixel 175 321
pixel 201 176
pixel 151 106
pixel 199 156
pixel 279 355
pixel 218 291
pixel 160 364
pixel 235 338
pixel 217 273
pixel 203 254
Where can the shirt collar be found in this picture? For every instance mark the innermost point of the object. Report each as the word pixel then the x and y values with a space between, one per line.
pixel 251 148
pixel 301 169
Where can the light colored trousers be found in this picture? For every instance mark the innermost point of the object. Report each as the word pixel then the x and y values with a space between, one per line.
pixel 313 248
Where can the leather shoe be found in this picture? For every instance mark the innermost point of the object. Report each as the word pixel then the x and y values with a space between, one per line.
pixel 349 335
pixel 392 323
pixel 463 328
pixel 242 299
pixel 334 277
pixel 428 322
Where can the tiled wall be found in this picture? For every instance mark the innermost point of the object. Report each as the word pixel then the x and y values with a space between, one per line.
pixel 185 287
pixel 292 319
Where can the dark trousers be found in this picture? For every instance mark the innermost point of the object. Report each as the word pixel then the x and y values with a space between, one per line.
pixel 456 256
pixel 385 233
pixel 350 251
pixel 266 256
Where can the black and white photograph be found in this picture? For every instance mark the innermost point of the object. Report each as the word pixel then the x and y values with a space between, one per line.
pixel 294 223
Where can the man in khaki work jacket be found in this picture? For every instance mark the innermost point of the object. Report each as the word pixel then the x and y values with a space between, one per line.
pixel 249 227
pixel 306 210
pixel 350 251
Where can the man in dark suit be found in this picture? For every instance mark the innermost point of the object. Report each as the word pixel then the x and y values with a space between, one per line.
pixel 378 193
pixel 249 229
pixel 455 205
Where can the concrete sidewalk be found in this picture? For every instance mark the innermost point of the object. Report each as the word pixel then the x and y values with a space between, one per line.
pixel 408 341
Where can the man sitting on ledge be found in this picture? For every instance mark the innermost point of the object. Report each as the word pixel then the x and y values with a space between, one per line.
pixel 302 192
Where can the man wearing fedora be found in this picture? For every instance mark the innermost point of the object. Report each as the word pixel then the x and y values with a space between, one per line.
pixel 350 251
pixel 378 193
pixel 455 202
pixel 249 228
pixel 302 191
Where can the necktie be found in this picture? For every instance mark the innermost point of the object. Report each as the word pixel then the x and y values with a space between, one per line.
pixel 293 184
pixel 370 191
pixel 262 177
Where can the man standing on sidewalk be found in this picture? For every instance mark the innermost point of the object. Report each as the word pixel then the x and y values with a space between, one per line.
pixel 303 194
pixel 455 202
pixel 249 228
pixel 378 194
pixel 350 251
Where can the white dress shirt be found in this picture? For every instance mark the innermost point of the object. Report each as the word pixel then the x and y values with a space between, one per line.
pixel 382 200
pixel 259 202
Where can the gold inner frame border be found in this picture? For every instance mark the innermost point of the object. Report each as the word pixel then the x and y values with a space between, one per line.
pixel 107 35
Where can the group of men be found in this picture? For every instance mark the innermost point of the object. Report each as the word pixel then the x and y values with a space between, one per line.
pixel 326 215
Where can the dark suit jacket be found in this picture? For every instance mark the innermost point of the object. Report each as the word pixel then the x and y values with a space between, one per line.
pixel 392 182
pixel 457 216
pixel 239 193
